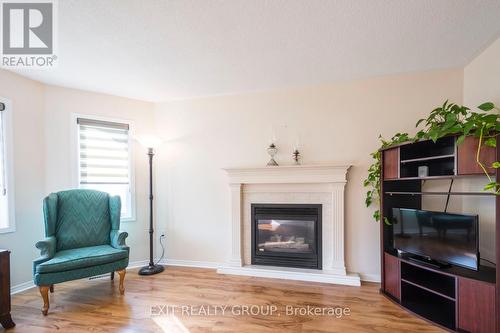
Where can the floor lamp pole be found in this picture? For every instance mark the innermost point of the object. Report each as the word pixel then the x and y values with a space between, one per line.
pixel 151 268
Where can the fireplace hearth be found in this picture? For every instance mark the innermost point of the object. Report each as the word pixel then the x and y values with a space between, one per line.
pixel 286 235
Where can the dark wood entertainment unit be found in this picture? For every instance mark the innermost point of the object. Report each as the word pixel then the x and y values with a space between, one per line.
pixel 454 298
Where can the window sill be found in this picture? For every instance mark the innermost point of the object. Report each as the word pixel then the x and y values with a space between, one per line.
pixel 7 230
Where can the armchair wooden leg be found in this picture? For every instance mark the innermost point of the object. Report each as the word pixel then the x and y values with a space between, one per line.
pixel 44 291
pixel 51 288
pixel 121 273
pixel 112 276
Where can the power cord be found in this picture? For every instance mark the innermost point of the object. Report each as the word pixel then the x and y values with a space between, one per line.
pixel 488 261
pixel 162 250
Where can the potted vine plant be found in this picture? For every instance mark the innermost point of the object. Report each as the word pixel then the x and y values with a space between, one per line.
pixel 449 119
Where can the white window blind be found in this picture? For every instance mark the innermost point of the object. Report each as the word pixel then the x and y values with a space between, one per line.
pixel 104 159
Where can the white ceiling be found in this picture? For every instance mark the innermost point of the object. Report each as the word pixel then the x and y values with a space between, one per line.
pixel 159 50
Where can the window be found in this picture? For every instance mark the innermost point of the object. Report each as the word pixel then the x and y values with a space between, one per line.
pixel 6 181
pixel 105 160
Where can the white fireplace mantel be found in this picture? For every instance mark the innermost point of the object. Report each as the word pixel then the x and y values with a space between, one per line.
pixel 287 184
pixel 294 174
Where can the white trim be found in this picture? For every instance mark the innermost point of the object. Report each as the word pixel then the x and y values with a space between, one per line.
pixel 177 262
pixel 22 287
pixel 370 277
pixel 75 158
pixel 191 263
pixel 137 264
pixel 9 165
pixel 289 174
pixel 351 279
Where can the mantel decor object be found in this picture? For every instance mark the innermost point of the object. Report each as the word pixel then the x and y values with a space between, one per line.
pixel 272 150
pixel 296 157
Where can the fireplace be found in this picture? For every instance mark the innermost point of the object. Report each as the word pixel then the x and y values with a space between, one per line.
pixel 286 235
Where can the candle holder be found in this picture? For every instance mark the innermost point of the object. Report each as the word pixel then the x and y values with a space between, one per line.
pixel 296 157
pixel 272 150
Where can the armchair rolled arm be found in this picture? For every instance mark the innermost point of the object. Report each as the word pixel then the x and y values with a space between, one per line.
pixel 118 239
pixel 47 249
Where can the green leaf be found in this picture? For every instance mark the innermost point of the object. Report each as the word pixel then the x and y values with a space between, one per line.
pixel 444 105
pixel 419 135
pixel 468 127
pixel 457 128
pixel 496 165
pixel 488 106
pixel 376 215
pixel 460 139
pixel 490 119
pixel 490 186
pixel 491 142
pixel 434 136
pixel 419 122
pixel 386 221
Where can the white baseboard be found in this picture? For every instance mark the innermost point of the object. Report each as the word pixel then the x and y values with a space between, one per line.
pixel 138 263
pixel 176 262
pixel 370 277
pixel 29 284
pixel 21 287
pixel 191 263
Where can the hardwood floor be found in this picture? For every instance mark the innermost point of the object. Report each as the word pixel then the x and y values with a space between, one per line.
pixel 97 306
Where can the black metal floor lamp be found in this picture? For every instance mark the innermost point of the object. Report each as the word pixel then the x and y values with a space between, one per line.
pixel 152 268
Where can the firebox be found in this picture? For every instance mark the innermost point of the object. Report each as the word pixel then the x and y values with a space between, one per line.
pixel 286 235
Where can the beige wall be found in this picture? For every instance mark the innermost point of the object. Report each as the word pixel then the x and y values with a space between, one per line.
pixel 42 155
pixel 337 123
pixel 27 99
pixel 482 77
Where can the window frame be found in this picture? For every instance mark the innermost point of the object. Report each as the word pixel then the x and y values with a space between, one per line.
pixel 9 165
pixel 75 155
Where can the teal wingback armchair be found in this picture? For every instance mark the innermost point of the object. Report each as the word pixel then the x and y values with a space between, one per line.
pixel 83 239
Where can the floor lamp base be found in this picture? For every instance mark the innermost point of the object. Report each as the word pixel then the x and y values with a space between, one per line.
pixel 151 270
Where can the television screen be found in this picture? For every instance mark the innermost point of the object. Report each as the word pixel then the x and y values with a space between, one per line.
pixel 450 238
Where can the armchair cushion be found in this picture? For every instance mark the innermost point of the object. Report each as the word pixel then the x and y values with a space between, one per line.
pixel 72 259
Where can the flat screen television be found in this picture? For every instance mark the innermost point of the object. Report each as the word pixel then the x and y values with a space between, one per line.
pixel 443 237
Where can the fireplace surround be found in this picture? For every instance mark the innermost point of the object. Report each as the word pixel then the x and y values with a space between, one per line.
pixel 295 185
pixel 287 235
